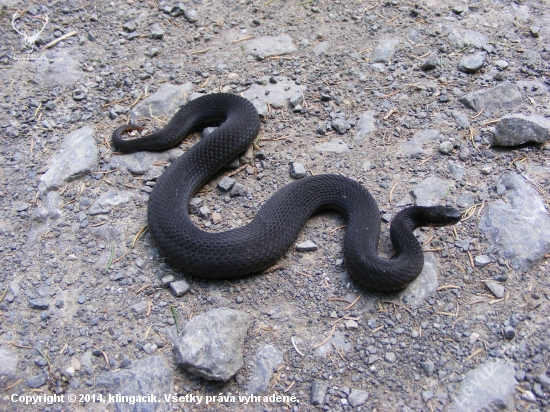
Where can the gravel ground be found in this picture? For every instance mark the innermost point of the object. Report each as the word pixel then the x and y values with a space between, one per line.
pixel 406 98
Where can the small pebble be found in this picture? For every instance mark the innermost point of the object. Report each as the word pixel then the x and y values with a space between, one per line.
pixel 307 246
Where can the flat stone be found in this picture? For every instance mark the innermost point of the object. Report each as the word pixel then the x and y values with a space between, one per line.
pixel 517 129
pixel 471 63
pixel 384 51
pixel 481 261
pixel 268 359
pixel 8 366
pixel 278 94
pixel 226 183
pixel 143 377
pixel 461 38
pixel 532 87
pixel 267 46
pixel 321 48
pixel 424 286
pixel 351 325
pixel 422 143
pixel 318 392
pixel 39 303
pixel 112 198
pixel 307 246
pixel 496 289
pixel 357 397
pixel 456 169
pixel 76 156
pixel 340 125
pixel 505 96
pixel 519 229
pixel 430 191
pixel 60 67
pixel 157 32
pixel 179 288
pixel 140 308
pixel 427 367
pixel 366 125
pixel 142 162
pixel 297 170
pixel 431 62
pixel 37 381
pixel 164 102
pixel 465 200
pixel 335 145
pixel 211 344
pixel 489 386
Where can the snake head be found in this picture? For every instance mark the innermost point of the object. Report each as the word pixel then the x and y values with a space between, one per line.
pixel 442 216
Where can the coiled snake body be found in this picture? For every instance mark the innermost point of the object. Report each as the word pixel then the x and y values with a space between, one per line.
pixel 259 244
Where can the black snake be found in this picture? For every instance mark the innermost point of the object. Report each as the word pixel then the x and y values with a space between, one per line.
pixel 259 244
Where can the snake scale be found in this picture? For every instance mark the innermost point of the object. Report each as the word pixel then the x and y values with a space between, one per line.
pixel 257 245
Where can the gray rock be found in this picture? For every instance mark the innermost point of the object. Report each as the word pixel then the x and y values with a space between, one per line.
pixel 446 147
pixel 461 38
pixel 37 381
pixel 194 205
pixel 357 397
pixel 430 191
pixel 191 15
pixel 46 216
pixel 39 303
pixel 542 379
pixel 496 289
pixel 471 63
pixel 113 197
pixel 335 145
pixel 157 32
pixel 153 173
pixel 142 162
pixel 465 200
pixel 179 288
pixel 204 212
pixel 140 308
pixel 431 62
pixel 318 392
pixel 8 366
pixel 505 96
pixel 238 190
pixel 211 344
pixel 267 46
pixel 296 100
pixel 129 26
pixel 365 126
pixel 340 125
pixel 146 376
pixel 226 183
pixel 489 386
pixel 390 357
pixel 424 286
pixel 519 228
pixel 60 67
pixel 427 367
pixel 422 143
pixel 297 170
pixel 307 246
pixel 76 156
pixel 164 102
pixel 268 359
pixel 502 64
pixel 166 280
pixel 278 94
pixel 321 48
pixel 456 169
pixel 509 332
pixel 516 129
pixel 351 325
pixel 384 51
pixel 481 261
pixel 532 87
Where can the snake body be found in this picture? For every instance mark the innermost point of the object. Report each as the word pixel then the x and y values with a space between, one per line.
pixel 257 245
